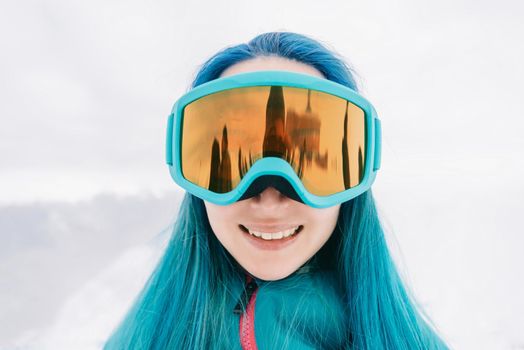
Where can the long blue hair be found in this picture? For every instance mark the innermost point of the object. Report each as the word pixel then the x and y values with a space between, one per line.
pixel 185 304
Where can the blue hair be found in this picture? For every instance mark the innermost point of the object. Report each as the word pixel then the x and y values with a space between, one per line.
pixel 187 301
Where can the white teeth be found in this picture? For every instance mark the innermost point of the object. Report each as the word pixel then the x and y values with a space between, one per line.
pixel 276 235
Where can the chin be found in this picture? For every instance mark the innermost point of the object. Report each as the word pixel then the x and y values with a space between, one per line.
pixel 269 275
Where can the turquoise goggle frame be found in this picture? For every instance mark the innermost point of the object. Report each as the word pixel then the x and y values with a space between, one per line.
pixel 274 165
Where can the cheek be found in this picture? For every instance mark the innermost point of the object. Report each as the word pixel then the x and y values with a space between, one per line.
pixel 220 218
pixel 324 220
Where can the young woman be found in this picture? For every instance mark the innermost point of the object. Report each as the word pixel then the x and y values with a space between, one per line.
pixel 277 244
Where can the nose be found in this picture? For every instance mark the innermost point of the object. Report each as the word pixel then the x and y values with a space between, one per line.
pixel 276 181
pixel 270 199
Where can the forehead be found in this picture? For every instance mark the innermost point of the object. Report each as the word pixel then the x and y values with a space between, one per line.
pixel 271 63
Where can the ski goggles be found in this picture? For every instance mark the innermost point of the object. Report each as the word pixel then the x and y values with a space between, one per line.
pixel 229 138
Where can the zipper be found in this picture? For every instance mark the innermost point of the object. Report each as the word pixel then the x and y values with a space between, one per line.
pixel 246 308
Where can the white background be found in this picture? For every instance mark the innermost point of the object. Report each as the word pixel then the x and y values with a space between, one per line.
pixel 86 199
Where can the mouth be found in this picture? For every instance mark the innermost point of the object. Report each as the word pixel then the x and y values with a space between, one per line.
pixel 281 235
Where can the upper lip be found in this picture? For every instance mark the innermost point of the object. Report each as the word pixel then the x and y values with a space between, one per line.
pixel 269 228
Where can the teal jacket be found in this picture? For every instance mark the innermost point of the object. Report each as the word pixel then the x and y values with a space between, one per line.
pixel 302 311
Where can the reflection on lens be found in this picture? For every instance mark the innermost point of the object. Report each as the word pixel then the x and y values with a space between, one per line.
pixel 321 136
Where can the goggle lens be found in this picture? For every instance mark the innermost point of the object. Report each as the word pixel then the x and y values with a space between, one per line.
pixel 322 137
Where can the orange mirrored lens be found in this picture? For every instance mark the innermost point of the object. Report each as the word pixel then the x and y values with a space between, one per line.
pixel 322 136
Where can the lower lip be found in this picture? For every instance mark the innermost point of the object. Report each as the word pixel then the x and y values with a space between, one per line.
pixel 273 244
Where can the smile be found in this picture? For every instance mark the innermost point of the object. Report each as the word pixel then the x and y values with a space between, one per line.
pixel 273 235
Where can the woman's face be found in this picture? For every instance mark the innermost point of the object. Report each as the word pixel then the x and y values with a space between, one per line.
pixel 271 211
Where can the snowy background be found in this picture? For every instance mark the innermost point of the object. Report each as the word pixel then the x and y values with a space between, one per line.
pixel 86 200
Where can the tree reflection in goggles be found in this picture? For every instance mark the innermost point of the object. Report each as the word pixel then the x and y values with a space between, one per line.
pixel 321 136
